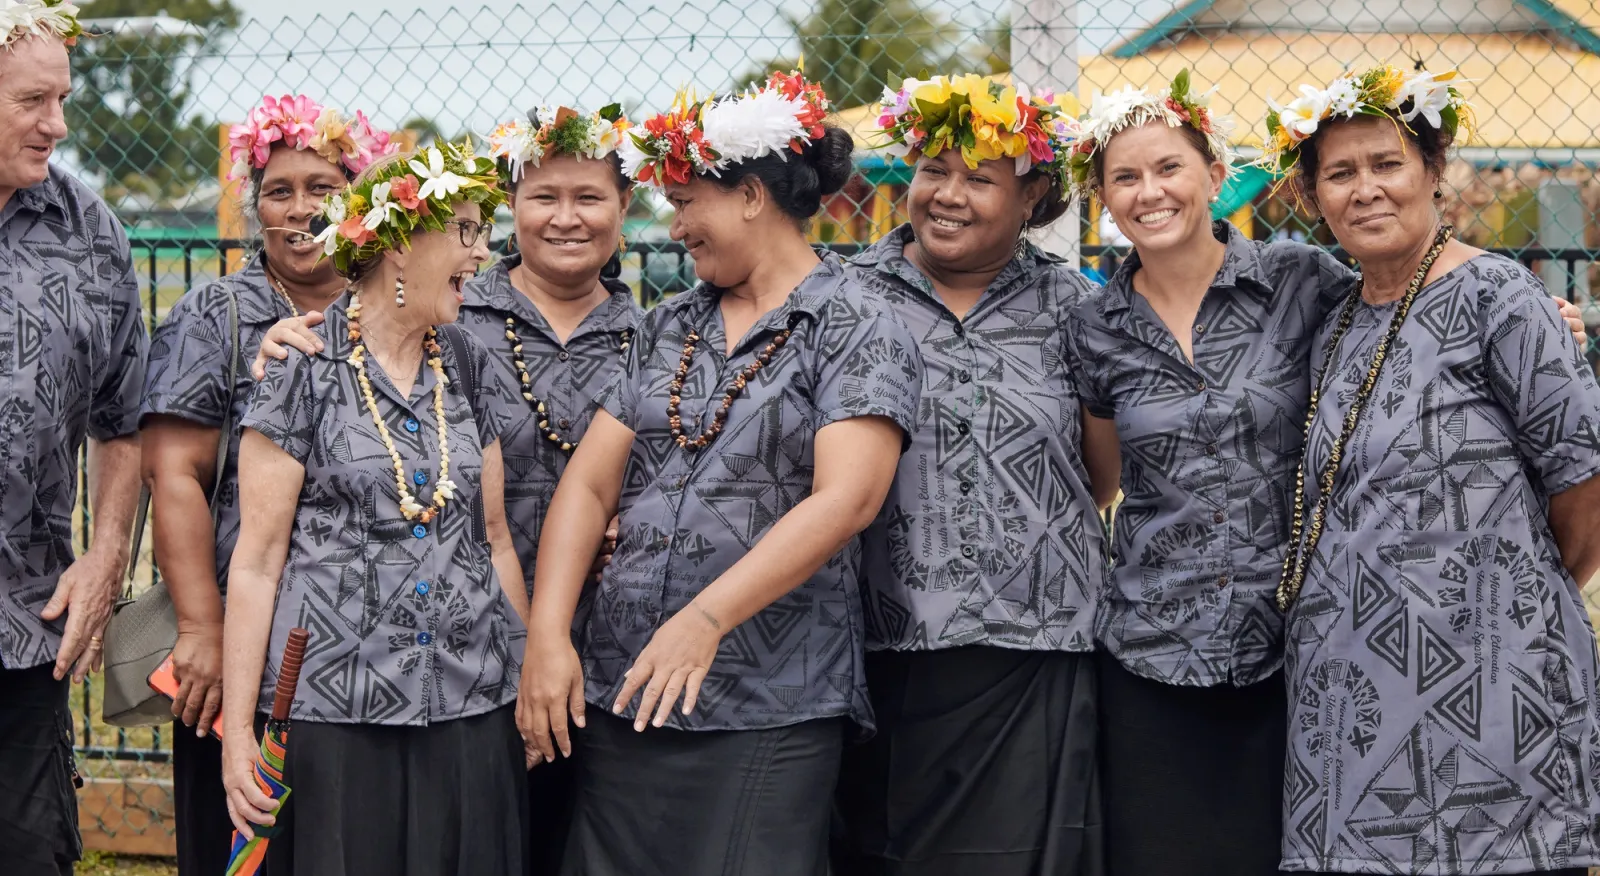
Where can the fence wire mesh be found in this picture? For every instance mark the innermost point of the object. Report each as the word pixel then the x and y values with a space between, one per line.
pixel 157 90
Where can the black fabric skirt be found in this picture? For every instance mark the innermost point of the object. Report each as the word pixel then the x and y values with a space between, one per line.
pixel 984 762
pixel 38 798
pixel 550 792
pixel 709 803
pixel 199 802
pixel 449 799
pixel 1192 776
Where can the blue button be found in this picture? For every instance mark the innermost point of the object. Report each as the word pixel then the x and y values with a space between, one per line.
pixel 420 478
pixel 412 425
pixel 423 638
pixel 419 531
pixel 422 588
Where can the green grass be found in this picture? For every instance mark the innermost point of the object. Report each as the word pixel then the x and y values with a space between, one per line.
pixel 101 864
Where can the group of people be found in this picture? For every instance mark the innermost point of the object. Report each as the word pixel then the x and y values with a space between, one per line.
pixel 592 590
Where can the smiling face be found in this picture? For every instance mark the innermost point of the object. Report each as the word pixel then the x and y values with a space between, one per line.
pixel 35 80
pixel 437 267
pixel 293 186
pixel 717 228
pixel 966 218
pixel 1158 187
pixel 1374 189
pixel 568 213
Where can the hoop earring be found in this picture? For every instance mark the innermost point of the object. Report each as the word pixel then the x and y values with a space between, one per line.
pixel 400 290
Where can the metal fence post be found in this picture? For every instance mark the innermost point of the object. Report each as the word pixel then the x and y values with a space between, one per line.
pixel 1044 55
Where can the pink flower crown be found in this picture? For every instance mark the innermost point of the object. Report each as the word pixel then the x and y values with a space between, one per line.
pixel 302 123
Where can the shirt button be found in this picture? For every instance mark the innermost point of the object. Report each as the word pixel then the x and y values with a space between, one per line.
pixel 564 422
pixel 1223 581
pixel 963 427
pixel 422 588
pixel 964 376
pixel 966 486
pixel 1218 517
pixel 412 425
pixel 1199 329
pixel 1200 386
pixel 959 328
pixel 1211 450
pixel 424 638
pixel 967 551
pixel 419 531
pixel 563 356
pixel 683 482
pixel 420 478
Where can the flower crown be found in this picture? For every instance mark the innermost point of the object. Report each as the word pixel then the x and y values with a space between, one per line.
pixel 561 131
pixel 705 137
pixel 1383 92
pixel 985 119
pixel 381 212
pixel 1176 105
pixel 302 123
pixel 25 18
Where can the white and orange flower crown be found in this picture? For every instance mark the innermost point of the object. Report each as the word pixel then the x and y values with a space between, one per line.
pixel 25 18
pixel 1176 105
pixel 302 123
pixel 556 131
pixel 1380 92
pixel 705 137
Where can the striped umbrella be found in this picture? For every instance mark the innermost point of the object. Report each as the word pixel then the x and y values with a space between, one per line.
pixel 249 853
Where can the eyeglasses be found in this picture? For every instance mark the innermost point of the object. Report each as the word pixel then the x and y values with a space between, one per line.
pixel 471 232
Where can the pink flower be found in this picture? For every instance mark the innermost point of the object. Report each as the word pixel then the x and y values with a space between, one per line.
pixel 404 191
pixel 1039 149
pixel 290 119
pixel 352 230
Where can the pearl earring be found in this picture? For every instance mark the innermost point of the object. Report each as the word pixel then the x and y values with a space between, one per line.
pixel 400 291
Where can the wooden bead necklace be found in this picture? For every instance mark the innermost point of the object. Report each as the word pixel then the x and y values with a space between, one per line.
pixel 624 338
pixel 443 488
pixel 675 391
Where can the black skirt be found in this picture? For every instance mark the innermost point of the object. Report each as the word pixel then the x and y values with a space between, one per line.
pixel 984 762
pixel 550 791
pixel 702 803
pixel 448 799
pixel 1193 776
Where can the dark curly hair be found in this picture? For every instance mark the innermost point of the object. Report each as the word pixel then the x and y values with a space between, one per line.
pixel 1434 144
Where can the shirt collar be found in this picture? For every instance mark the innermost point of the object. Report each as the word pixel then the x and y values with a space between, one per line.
pixel 808 299
pixel 1241 269
pixel 492 290
pixel 267 305
pixel 42 195
pixel 888 256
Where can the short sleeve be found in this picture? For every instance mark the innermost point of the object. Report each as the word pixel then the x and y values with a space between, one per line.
pixel 620 396
pixel 1537 373
pixel 283 406
pixel 868 366
pixel 186 375
pixel 114 411
pixel 1080 361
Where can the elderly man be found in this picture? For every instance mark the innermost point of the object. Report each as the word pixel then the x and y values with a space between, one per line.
pixel 72 346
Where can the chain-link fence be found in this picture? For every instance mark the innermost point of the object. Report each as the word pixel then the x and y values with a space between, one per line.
pixel 155 94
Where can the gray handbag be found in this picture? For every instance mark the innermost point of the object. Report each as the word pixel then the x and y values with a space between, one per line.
pixel 143 630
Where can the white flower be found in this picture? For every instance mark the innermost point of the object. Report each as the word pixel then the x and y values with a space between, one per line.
pixel 334 210
pixel 1343 97
pixel 631 155
pixel 1124 108
pixel 1429 97
pixel 1303 114
pixel 381 207
pixel 438 182
pixel 750 127
pixel 329 238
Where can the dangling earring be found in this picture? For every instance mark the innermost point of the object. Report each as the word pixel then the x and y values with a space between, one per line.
pixel 400 291
pixel 1021 249
pixel 622 245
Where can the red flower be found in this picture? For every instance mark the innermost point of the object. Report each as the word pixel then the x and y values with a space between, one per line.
pixel 1178 108
pixel 1202 120
pixel 404 191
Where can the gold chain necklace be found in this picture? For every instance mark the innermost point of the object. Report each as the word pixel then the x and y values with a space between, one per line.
pixel 624 338
pixel 1296 563
pixel 443 487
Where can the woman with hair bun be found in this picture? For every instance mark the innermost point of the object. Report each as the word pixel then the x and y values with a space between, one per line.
pixel 748 439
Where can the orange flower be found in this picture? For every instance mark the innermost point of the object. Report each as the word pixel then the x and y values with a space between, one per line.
pixel 404 191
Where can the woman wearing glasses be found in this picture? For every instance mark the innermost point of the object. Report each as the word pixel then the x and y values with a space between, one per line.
pixel 377 522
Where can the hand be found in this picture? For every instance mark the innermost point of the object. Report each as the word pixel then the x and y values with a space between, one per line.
pixel 608 546
pixel 85 593
pixel 675 662
pixel 551 688
pixel 1574 318
pixel 292 332
pixel 197 664
pixel 247 804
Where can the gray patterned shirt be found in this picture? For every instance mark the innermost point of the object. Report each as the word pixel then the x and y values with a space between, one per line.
pixel 72 347
pixel 689 516
pixel 1209 451
pixel 1442 669
pixel 566 377
pixel 990 534
pixel 408 622
pixel 188 372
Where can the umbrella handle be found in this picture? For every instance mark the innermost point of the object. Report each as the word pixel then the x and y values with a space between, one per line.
pixel 294 651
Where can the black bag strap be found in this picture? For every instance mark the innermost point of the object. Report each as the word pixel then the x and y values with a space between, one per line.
pixel 223 442
pixel 453 339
